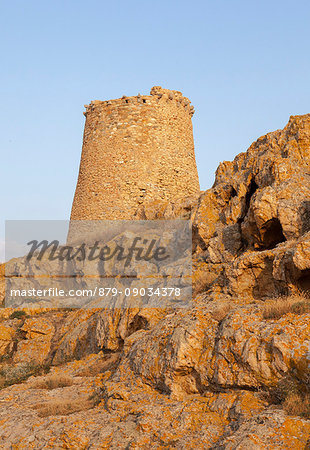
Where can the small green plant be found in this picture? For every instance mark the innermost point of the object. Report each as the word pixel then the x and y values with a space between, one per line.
pixel 18 373
pixel 18 315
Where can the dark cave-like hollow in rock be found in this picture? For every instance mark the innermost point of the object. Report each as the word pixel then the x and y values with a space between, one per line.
pixel 271 234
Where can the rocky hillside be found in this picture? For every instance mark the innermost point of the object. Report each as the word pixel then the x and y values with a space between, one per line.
pixel 230 373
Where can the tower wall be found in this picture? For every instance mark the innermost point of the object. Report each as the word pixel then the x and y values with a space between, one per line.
pixel 135 150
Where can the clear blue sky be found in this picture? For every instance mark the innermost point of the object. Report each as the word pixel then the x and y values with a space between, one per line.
pixel 245 65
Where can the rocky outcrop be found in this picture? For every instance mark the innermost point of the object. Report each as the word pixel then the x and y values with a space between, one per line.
pixel 193 352
pixel 251 228
pixel 160 393
pixel 206 377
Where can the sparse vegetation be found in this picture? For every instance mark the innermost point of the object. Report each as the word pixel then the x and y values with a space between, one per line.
pixel 100 366
pixel 52 382
pixel 297 405
pixel 201 282
pixel 18 373
pixel 65 407
pixel 18 314
pixel 221 312
pixel 276 308
pixel 4 358
pixel 293 390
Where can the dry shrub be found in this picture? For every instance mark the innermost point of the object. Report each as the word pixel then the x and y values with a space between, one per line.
pixel 297 405
pixel 201 281
pixel 65 407
pixel 221 312
pixel 20 372
pixel 100 366
pixel 293 390
pixel 2 381
pixel 52 382
pixel 275 309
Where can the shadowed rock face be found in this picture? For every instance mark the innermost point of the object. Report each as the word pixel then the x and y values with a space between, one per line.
pixel 191 378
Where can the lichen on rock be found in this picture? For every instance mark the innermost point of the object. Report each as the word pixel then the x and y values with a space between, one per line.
pixel 200 378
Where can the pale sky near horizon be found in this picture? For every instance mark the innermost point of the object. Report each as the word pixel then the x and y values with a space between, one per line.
pixel 244 65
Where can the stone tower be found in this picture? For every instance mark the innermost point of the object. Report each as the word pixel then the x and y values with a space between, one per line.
pixel 135 150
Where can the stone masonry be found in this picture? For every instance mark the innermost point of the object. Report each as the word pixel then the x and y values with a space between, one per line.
pixel 135 150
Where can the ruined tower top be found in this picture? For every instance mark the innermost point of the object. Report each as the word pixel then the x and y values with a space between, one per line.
pixel 157 93
pixel 135 150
